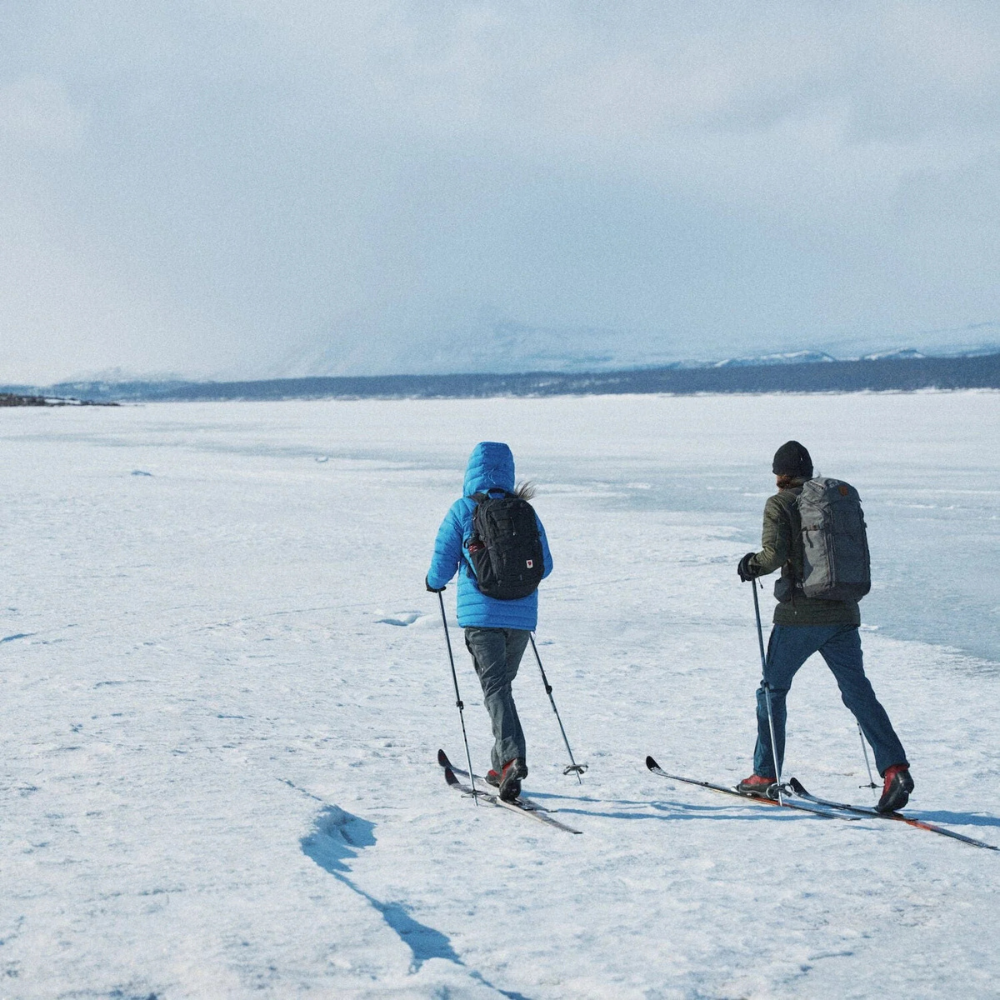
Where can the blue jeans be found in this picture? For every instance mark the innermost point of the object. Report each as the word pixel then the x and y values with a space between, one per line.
pixel 840 645
pixel 496 653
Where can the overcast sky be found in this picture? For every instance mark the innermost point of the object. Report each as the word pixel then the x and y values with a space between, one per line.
pixel 231 186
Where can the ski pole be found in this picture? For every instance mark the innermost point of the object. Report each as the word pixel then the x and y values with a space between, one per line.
pixel 864 748
pixel 458 700
pixel 578 769
pixel 767 688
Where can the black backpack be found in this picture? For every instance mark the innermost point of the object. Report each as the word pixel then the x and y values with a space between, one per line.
pixel 505 550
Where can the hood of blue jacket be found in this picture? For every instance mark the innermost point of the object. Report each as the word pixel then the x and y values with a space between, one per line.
pixel 491 466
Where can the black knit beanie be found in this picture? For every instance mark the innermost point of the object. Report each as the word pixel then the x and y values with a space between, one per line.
pixel 792 459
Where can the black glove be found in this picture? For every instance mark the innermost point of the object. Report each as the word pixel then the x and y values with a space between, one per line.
pixel 433 590
pixel 744 570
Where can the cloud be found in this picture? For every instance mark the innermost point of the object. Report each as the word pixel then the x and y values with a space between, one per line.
pixel 216 189
pixel 37 112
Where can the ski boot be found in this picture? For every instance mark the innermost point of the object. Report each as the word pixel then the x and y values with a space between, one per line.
pixel 510 782
pixel 758 785
pixel 898 785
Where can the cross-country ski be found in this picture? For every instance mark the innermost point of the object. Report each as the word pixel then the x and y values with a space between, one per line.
pixel 514 805
pixel 919 824
pixel 483 784
pixel 757 799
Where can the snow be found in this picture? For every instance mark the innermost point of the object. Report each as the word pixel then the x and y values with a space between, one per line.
pixel 223 687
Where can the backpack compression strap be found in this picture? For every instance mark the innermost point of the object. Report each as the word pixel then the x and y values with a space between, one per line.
pixel 479 498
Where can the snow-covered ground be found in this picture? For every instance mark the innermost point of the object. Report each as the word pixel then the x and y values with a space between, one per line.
pixel 222 687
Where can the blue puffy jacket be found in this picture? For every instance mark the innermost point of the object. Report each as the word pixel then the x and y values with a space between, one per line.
pixel 491 467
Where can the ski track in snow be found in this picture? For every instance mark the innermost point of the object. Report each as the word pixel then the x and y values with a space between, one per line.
pixel 223 686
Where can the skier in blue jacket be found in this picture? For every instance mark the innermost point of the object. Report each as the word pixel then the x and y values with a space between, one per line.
pixel 496 632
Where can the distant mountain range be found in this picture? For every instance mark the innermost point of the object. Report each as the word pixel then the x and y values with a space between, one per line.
pixel 805 371
pixel 812 357
pixel 508 348
pixel 465 339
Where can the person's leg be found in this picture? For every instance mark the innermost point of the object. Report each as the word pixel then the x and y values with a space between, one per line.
pixel 787 649
pixel 512 752
pixel 842 652
pixel 488 647
pixel 517 641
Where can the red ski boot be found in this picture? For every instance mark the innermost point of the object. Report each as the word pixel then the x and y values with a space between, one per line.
pixel 898 785
pixel 510 783
pixel 757 784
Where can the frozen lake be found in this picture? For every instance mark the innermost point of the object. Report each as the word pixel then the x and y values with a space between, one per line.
pixel 222 686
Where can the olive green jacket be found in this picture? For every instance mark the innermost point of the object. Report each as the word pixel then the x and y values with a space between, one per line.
pixel 781 548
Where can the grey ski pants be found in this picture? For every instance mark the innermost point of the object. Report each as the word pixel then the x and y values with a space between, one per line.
pixel 496 653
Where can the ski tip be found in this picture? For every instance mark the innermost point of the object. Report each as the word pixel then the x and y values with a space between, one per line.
pixel 449 776
pixel 651 764
pixel 797 786
pixel 443 759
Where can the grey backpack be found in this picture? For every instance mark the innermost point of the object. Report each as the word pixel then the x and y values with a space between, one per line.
pixel 836 565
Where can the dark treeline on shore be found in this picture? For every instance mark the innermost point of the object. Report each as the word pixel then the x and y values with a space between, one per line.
pixel 19 399
pixel 16 399
pixel 875 375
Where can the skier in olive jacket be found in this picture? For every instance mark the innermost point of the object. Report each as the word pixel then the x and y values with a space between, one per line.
pixel 496 632
pixel 803 626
